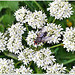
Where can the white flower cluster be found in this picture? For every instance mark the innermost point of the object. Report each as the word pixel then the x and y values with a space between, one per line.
pixel 31 38
pixel 56 69
pixel 23 70
pixel 72 71
pixel 43 58
pixel 15 41
pixel 53 33
pixel 3 42
pixel 69 39
pixel 6 66
pixel 60 9
pixel 26 55
pixel 37 19
pixel 21 14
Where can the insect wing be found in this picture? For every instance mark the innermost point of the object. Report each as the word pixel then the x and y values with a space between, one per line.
pixel 41 33
pixel 45 39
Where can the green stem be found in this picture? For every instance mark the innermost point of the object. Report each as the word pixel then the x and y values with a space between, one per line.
pixel 69 57
pixel 30 64
pixel 67 70
pixel 13 56
pixel 24 38
pixel 69 61
pixel 38 5
pixel 18 63
pixel 28 5
pixel 53 20
pixel 57 45
pixel 27 27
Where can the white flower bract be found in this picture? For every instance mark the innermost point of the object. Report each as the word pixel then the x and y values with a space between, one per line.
pixel 69 39
pixel 60 9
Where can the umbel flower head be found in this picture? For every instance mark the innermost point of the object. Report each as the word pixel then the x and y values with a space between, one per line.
pixel 37 19
pixel 21 14
pixel 23 70
pixel 3 41
pixel 56 69
pixel 26 55
pixel 15 41
pixel 60 9
pixel 6 66
pixel 53 32
pixel 43 58
pixel 69 39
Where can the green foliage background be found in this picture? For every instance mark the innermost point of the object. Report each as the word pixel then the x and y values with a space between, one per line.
pixel 7 9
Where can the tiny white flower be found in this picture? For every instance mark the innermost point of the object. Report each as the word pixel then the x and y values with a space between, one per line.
pixel 26 55
pixel 60 9
pixel 15 41
pixel 56 69
pixel 3 41
pixel 21 14
pixel 53 33
pixel 72 70
pixel 6 66
pixel 43 58
pixel 69 39
pixel 37 19
pixel 23 70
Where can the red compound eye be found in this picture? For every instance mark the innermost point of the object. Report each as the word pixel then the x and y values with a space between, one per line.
pixel 35 42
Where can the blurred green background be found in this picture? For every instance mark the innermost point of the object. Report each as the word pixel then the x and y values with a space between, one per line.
pixel 7 9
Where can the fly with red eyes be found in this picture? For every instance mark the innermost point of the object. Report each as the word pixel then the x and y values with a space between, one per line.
pixel 40 38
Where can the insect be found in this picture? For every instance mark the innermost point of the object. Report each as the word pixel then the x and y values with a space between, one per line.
pixel 41 37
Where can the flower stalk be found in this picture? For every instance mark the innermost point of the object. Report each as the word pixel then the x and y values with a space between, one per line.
pixel 13 56
pixel 57 45
pixel 69 61
pixel 27 27
pixel 53 20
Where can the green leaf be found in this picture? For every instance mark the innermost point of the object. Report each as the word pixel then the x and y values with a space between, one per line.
pixel 7 20
pixel 1 28
pixel 3 5
pixel 13 5
pixel 63 56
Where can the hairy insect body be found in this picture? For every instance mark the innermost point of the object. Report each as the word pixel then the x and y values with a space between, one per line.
pixel 40 37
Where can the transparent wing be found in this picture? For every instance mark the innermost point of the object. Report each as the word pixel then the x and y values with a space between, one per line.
pixel 45 39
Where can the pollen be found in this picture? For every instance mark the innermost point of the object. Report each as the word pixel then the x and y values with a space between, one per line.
pixel 69 24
